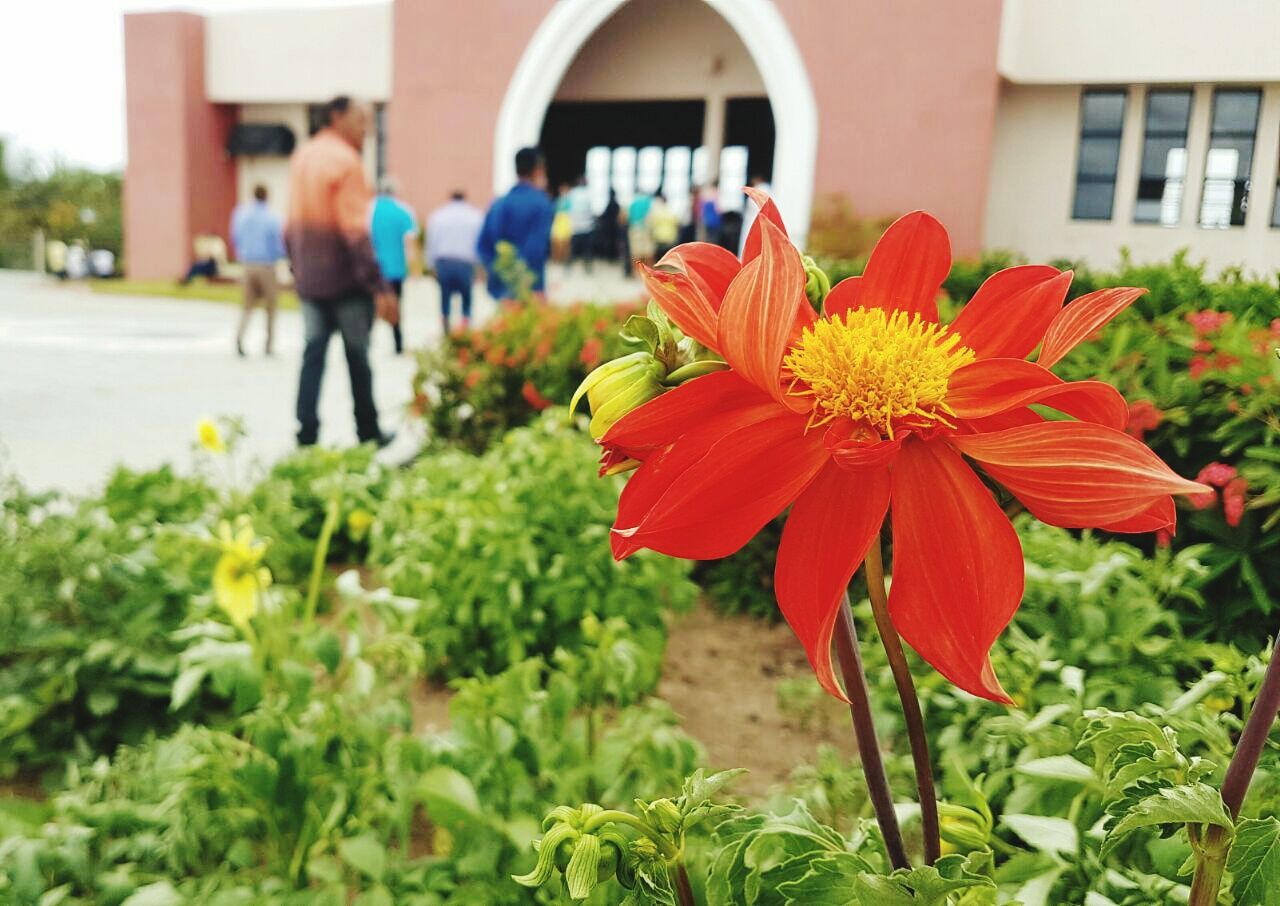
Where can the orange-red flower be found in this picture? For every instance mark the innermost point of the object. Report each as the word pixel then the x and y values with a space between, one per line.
pixel 875 408
pixel 1143 417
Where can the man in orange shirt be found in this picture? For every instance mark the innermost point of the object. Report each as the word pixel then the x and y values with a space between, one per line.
pixel 334 268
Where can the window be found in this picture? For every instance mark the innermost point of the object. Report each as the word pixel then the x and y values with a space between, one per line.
pixel 1101 124
pixel 1164 158
pixel 1275 206
pixel 1225 198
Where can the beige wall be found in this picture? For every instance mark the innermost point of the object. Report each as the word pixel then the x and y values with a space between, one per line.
pixel 1032 185
pixel 299 55
pixel 1140 41
pixel 271 171
pixel 662 49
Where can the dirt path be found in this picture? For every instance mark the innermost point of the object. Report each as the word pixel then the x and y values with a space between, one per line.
pixel 721 676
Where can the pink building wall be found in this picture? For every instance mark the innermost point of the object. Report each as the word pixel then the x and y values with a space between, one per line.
pixel 452 64
pixel 179 181
pixel 906 95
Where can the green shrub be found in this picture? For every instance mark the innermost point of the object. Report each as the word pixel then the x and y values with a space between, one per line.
pixel 508 551
pixel 478 384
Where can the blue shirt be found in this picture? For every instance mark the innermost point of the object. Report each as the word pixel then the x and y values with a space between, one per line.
pixel 256 234
pixel 392 222
pixel 522 217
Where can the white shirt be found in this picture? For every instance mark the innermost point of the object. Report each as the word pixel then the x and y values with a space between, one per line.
pixel 452 231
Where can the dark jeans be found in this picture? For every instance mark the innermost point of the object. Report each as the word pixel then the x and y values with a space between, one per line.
pixel 352 316
pixel 397 287
pixel 580 249
pixel 456 277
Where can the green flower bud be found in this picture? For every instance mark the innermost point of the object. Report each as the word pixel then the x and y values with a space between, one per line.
pixel 665 816
pixel 583 871
pixel 693 370
pixel 962 827
pixel 816 283
pixel 555 846
pixel 617 387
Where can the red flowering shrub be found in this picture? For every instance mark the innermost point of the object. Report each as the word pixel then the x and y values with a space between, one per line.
pixel 480 383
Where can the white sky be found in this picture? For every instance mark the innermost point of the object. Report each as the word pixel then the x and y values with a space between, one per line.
pixel 62 72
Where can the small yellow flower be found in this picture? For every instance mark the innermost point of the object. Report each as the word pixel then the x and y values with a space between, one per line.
pixel 359 521
pixel 238 577
pixel 210 437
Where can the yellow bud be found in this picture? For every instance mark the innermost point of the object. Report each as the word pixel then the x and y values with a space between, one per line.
pixel 617 387
pixel 209 436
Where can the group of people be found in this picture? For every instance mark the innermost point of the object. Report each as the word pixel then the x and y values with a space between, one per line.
pixel 351 248
pixel 644 230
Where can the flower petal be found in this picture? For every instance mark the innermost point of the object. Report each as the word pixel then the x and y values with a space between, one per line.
pixel 907 267
pixel 1075 474
pixel 1081 318
pixel 760 310
pixel 992 386
pixel 721 397
pixel 710 267
pixel 827 535
pixel 723 497
pixel 768 210
pixel 1011 310
pixel 685 303
pixel 843 297
pixel 1160 515
pixel 957 566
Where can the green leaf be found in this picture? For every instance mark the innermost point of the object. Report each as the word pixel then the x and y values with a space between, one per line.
pixel 926 886
pixel 185 686
pixel 448 796
pixel 1190 803
pixel 161 893
pixel 365 854
pixel 830 881
pixel 1255 862
pixel 1056 836
pixel 580 875
pixel 1058 767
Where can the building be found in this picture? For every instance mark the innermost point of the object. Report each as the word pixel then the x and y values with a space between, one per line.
pixel 1056 128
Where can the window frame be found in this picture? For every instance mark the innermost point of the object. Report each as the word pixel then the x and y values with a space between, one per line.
pixel 1148 133
pixel 1233 135
pixel 1083 132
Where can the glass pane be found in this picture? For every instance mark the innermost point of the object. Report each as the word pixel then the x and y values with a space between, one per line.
pixel 1098 156
pixel 1102 111
pixel 733 176
pixel 597 172
pixel 1162 157
pixel 1237 150
pixel 675 179
pixel 1168 111
pixel 1093 200
pixel 1235 111
pixel 624 174
pixel 1275 209
pixel 649 169
pixel 700 163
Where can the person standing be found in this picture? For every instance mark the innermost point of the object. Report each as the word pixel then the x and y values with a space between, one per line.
pixel 453 231
pixel 258 242
pixel 583 223
pixel 523 218
pixel 639 233
pixel 393 230
pixel 664 225
pixel 335 271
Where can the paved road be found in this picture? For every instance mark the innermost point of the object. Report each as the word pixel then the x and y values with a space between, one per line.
pixel 89 380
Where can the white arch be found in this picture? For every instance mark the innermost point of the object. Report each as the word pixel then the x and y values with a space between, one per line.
pixel 763 30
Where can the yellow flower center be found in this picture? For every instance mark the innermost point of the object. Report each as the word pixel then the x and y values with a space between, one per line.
pixel 884 371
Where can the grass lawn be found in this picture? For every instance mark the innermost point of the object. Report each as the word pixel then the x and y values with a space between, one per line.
pixel 197 289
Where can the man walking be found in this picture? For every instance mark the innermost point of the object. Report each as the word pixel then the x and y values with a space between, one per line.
pixel 452 232
pixel 258 243
pixel 393 231
pixel 523 218
pixel 334 267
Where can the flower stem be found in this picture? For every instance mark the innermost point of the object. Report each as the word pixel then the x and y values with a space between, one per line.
pixel 1211 854
pixel 910 704
pixel 864 729
pixel 331 513
pixel 684 890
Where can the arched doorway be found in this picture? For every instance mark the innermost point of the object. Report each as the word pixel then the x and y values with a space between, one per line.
pixel 765 103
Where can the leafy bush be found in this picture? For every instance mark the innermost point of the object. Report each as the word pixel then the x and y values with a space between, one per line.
pixel 480 383
pixel 510 550
pixel 87 606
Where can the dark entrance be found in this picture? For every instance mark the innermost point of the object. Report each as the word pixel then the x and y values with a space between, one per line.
pixel 571 128
pixel 749 121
